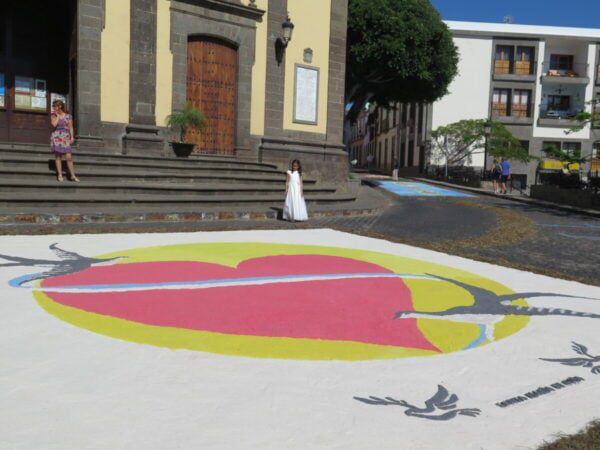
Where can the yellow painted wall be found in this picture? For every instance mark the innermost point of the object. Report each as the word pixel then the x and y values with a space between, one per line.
pixel 114 75
pixel 312 28
pixel 164 63
pixel 259 74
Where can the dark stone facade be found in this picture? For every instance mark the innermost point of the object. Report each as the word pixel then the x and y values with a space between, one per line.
pixel 323 155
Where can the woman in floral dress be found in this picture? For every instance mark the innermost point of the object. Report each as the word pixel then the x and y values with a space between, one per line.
pixel 62 138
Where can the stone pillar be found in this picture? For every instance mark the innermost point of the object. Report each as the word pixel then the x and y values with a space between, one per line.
pixel 90 22
pixel 275 71
pixel 142 132
pixel 337 71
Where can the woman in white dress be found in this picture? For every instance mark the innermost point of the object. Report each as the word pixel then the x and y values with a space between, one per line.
pixel 295 207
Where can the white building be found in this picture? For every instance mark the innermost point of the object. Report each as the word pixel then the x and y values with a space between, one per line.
pixel 533 79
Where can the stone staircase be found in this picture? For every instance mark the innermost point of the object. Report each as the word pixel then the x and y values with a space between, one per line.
pixel 111 182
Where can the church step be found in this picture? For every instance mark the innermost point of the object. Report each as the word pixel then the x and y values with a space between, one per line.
pixel 103 188
pixel 92 174
pixel 44 151
pixel 193 161
pixel 14 200
pixel 119 166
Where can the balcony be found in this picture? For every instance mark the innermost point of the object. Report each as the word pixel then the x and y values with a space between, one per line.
pixel 508 70
pixel 558 118
pixel 576 73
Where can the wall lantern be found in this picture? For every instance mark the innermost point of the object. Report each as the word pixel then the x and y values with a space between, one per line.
pixel 282 42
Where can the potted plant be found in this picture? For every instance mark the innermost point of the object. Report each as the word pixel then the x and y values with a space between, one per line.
pixel 184 119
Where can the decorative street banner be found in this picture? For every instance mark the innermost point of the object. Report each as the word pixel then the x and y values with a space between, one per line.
pixel 416 189
pixel 286 339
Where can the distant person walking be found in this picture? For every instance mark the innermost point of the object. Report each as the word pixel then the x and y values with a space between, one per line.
pixel 62 138
pixel 294 208
pixel 505 174
pixel 496 175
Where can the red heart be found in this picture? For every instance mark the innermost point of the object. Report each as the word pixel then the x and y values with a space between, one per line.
pixel 356 309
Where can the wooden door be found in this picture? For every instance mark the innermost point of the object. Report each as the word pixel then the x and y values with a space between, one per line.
pixel 212 88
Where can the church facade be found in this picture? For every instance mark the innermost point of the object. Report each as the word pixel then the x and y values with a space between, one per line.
pixel 124 65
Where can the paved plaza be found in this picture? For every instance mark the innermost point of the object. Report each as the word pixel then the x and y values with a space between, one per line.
pixel 310 338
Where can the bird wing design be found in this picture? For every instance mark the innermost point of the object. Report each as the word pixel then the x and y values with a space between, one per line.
pixel 55 271
pixel 64 254
pixel 441 400
pixel 585 362
pixel 477 292
pixel 580 349
pixel 507 299
pixel 25 261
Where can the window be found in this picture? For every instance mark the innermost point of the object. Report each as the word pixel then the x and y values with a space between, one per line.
pixel 404 114
pixel 561 62
pixel 520 105
pixel 559 103
pixel 395 120
pixel 500 102
pixel 572 148
pixel 503 59
pixel 524 61
pixel 385 158
pixel 547 147
pixel 393 148
pixel 525 145
pixel 524 54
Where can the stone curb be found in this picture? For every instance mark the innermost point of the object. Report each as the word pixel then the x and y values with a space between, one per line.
pixel 56 219
pixel 529 201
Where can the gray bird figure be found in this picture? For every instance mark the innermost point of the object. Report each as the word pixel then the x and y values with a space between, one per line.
pixel 69 262
pixel 585 360
pixel 489 308
pixel 442 406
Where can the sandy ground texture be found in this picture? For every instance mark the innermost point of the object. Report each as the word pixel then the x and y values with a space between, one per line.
pixel 295 339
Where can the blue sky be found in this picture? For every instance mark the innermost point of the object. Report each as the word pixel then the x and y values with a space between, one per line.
pixel 571 13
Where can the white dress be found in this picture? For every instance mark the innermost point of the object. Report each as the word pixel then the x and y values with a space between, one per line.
pixel 295 207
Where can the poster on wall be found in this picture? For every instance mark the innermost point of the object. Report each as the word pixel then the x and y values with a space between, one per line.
pixel 40 88
pixel 39 103
pixel 39 99
pixel 2 90
pixel 23 85
pixel 22 101
pixel 306 95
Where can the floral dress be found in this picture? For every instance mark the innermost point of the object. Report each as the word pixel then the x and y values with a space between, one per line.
pixel 60 140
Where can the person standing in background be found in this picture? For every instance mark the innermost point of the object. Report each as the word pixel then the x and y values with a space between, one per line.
pixel 505 175
pixel 62 138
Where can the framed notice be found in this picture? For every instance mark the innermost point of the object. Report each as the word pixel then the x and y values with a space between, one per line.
pixel 39 103
pixel 23 101
pixel 23 85
pixel 2 90
pixel 40 88
pixel 306 94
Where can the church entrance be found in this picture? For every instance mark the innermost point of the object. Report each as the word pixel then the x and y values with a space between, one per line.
pixel 38 53
pixel 212 71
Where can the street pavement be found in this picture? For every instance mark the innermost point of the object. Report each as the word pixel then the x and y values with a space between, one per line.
pixel 293 339
pixel 492 229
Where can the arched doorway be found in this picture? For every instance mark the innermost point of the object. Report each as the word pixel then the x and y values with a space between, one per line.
pixel 37 51
pixel 212 71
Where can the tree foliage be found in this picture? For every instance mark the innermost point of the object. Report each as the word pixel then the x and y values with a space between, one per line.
pixel 457 141
pixel 587 118
pixel 567 157
pixel 398 51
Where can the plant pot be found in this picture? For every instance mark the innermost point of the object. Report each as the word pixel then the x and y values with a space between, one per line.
pixel 182 149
